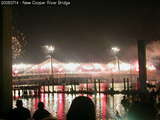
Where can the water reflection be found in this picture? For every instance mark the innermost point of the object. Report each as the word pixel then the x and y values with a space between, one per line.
pixel 59 103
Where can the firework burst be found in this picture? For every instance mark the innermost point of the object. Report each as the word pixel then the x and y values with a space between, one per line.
pixel 18 43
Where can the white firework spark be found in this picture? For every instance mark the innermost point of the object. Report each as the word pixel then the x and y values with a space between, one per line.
pixel 18 43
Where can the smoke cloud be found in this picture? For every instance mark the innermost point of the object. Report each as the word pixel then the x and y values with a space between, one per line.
pixel 153 53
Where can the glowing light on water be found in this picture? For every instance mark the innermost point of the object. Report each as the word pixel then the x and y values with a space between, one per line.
pixel 58 104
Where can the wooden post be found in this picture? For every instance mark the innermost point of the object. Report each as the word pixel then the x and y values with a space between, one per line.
pixel 5 61
pixel 48 88
pixel 87 85
pixel 112 84
pixel 74 85
pixel 52 88
pixel 71 87
pixel 19 94
pixel 53 85
pixel 44 89
pixel 39 91
pixel 127 84
pixel 95 86
pixel 124 83
pixel 99 85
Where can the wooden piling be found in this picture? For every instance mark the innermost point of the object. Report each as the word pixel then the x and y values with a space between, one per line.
pixel 127 84
pixel 112 84
pixel 87 85
pixel 124 84
pixel 99 85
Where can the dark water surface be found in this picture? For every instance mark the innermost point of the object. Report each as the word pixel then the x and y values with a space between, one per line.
pixel 59 103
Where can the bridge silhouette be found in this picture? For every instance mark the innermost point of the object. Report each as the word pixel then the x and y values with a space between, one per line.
pixel 86 83
pixel 86 76
pixel 67 79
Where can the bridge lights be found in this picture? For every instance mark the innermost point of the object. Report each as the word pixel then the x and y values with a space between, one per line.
pixel 115 51
pixel 50 49
pixel 71 66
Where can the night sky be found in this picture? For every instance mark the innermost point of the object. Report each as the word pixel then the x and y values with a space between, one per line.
pixel 86 31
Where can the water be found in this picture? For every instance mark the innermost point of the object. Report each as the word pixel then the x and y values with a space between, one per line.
pixel 59 103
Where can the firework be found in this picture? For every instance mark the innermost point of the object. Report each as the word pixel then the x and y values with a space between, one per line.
pixel 18 43
pixel 153 53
